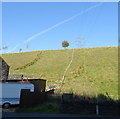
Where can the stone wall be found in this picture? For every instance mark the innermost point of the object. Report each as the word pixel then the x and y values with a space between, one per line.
pixel 4 69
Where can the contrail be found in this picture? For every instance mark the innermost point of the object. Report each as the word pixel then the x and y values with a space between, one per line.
pixel 58 24
pixel 62 22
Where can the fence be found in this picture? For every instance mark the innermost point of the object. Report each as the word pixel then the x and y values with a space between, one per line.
pixel 31 99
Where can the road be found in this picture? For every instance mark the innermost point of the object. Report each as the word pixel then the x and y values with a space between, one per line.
pixel 10 114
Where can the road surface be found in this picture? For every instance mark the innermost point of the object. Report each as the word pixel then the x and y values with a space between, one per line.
pixel 12 115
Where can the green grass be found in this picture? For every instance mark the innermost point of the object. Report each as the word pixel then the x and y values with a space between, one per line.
pixel 93 70
pixel 51 106
pixel 48 107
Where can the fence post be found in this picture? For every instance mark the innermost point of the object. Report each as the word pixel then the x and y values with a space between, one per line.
pixel 97 109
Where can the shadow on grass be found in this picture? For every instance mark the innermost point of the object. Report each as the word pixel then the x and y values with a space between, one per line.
pixel 101 105
pixel 74 104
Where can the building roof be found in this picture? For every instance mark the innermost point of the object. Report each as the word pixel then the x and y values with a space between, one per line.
pixel 24 80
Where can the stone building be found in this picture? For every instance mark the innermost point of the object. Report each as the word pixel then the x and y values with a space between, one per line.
pixel 4 69
pixel 40 84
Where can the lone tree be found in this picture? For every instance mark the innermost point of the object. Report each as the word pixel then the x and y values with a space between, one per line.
pixel 65 44
pixel 20 50
pixel 4 48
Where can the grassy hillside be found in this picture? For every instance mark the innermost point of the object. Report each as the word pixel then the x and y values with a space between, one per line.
pixel 93 70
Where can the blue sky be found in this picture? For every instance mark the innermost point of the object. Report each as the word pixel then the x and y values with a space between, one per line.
pixel 97 27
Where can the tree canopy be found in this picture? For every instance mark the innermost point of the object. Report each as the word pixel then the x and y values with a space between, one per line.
pixel 65 44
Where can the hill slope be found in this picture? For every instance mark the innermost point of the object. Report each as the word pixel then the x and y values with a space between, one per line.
pixel 93 70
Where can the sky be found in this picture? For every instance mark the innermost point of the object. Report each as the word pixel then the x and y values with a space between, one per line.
pixel 33 26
